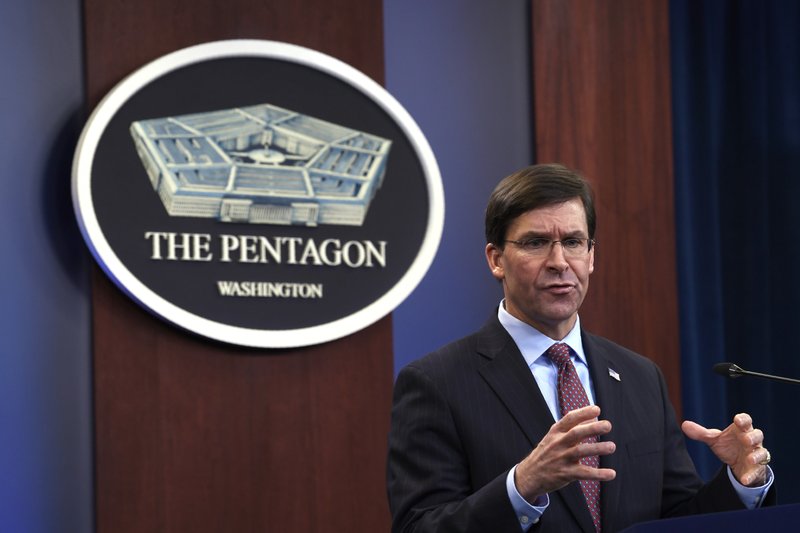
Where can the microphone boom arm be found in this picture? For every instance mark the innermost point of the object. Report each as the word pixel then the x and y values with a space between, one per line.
pixel 732 370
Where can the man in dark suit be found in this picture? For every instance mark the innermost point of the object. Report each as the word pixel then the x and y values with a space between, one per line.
pixel 534 424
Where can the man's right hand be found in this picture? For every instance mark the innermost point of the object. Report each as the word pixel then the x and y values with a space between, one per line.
pixel 555 462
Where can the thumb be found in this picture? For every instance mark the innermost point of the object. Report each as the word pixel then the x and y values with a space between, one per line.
pixel 695 431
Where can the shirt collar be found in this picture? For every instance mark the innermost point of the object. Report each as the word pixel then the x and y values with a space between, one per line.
pixel 532 343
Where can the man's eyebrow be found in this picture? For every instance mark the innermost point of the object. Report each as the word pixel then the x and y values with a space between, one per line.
pixel 532 234
pixel 535 234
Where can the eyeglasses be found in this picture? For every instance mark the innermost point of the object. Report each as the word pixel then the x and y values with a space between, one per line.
pixel 574 247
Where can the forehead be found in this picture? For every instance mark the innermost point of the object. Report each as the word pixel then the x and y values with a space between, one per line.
pixel 567 217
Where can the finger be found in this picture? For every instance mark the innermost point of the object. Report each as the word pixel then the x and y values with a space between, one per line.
pixel 588 449
pixel 754 477
pixel 695 431
pixel 753 438
pixel 760 456
pixel 578 416
pixel 587 429
pixel 743 421
pixel 595 474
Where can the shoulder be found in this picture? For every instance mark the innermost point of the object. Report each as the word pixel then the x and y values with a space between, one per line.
pixel 462 355
pixel 443 361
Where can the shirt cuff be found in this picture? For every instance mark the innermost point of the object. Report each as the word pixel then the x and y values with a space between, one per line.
pixel 527 514
pixel 751 496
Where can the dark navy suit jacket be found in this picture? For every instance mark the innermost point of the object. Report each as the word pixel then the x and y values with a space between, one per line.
pixel 464 415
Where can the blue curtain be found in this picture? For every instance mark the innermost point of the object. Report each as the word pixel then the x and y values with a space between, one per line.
pixel 736 118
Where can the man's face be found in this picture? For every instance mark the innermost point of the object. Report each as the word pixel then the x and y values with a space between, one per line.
pixel 544 290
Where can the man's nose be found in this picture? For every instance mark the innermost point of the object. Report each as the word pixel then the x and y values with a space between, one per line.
pixel 555 257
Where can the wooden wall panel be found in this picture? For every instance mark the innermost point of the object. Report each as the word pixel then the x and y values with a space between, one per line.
pixel 601 83
pixel 193 435
pixel 121 36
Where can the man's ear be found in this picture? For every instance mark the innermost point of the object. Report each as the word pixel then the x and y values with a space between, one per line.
pixel 494 257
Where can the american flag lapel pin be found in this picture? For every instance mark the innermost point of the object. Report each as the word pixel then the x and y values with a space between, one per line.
pixel 614 374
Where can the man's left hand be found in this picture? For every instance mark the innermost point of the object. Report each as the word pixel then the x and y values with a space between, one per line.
pixel 738 445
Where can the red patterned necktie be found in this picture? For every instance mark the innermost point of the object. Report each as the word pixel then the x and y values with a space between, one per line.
pixel 571 395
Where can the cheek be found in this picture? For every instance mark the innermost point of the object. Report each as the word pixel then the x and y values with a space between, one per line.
pixel 525 273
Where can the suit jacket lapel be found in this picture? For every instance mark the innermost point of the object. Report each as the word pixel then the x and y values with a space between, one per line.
pixel 511 380
pixel 608 395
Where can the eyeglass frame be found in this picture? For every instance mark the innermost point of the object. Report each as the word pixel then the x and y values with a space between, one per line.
pixel 551 243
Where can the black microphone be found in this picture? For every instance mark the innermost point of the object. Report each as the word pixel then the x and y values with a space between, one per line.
pixel 732 370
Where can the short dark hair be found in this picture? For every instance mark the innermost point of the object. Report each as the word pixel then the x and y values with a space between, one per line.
pixel 532 187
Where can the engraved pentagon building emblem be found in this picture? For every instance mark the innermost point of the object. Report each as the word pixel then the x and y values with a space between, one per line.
pixel 258 193
pixel 261 164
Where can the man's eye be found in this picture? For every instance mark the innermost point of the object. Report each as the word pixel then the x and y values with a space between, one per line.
pixel 536 244
pixel 572 243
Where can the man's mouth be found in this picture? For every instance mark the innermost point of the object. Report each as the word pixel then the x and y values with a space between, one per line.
pixel 559 288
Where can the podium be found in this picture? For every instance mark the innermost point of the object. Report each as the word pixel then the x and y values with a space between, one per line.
pixel 777 518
